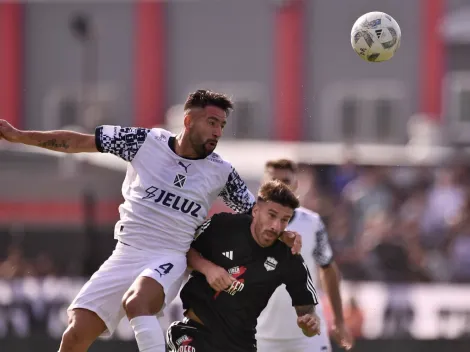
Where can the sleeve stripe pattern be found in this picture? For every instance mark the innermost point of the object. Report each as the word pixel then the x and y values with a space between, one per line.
pixel 236 194
pixel 123 142
pixel 169 337
pixel 322 253
pixel 202 228
pixel 310 286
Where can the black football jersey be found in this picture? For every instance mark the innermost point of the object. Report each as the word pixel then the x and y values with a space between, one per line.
pixel 231 315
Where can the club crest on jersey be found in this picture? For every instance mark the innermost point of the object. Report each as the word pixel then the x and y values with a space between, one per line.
pixel 234 271
pixel 179 180
pixel 270 264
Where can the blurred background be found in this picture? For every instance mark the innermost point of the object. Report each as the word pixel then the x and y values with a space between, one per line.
pixel 382 147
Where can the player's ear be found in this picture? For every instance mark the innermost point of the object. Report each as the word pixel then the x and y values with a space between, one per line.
pixel 255 209
pixel 188 119
pixel 295 184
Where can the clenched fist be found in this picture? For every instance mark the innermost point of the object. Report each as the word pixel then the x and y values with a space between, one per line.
pixel 218 278
pixel 8 132
pixel 310 324
pixel 293 240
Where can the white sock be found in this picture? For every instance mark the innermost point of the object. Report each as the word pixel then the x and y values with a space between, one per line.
pixel 148 334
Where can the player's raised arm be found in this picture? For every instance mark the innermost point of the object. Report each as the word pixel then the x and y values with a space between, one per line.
pixel 123 142
pixel 120 141
pixel 60 141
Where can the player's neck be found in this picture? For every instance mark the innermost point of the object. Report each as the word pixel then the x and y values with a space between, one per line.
pixel 183 148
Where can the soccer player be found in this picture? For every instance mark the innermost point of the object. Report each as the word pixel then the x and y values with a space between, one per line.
pixel 246 248
pixel 170 184
pixel 276 332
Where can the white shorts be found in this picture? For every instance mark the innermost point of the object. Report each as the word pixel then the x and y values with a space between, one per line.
pixel 319 343
pixel 104 291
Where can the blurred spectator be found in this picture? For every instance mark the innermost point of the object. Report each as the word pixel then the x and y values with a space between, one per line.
pixel 15 265
pixel 398 224
pixel 367 193
pixel 459 245
pixel 344 174
pixel 444 203
pixel 44 265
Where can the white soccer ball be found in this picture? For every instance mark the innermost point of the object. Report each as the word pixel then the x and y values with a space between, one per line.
pixel 375 36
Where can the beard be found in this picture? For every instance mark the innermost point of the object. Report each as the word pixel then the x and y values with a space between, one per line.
pixel 203 148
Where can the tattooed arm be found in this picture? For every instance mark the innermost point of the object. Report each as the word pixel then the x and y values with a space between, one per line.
pixel 299 284
pixel 61 141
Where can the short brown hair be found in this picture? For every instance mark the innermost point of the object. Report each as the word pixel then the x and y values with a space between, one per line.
pixel 281 164
pixel 278 192
pixel 202 98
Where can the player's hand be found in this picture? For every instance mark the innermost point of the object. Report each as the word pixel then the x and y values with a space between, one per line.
pixel 8 132
pixel 310 324
pixel 293 240
pixel 218 278
pixel 342 336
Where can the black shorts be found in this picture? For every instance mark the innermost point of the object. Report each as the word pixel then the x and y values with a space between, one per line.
pixel 189 336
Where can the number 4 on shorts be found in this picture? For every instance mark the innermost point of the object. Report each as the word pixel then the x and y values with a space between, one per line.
pixel 164 269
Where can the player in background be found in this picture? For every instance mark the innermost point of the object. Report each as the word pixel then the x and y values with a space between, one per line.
pixel 246 248
pixel 276 332
pixel 170 184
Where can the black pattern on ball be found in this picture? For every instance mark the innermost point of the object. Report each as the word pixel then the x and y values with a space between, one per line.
pixel 391 43
pixel 366 35
pixel 373 57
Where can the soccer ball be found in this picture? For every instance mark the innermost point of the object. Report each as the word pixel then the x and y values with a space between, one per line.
pixel 375 36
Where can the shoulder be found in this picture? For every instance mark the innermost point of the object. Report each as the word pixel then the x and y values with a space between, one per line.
pixel 308 214
pixel 218 161
pixel 160 135
pixel 305 215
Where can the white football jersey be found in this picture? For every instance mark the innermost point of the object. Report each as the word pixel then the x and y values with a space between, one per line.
pixel 279 319
pixel 166 197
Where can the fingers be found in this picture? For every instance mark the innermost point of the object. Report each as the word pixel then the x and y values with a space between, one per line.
pixel 220 280
pixel 347 342
pixel 309 323
pixel 217 285
pixel 343 338
pixel 296 248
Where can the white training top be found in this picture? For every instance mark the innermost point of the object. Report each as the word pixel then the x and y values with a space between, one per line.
pixel 167 197
pixel 279 319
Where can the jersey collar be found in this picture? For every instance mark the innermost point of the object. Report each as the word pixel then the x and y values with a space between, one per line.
pixel 171 144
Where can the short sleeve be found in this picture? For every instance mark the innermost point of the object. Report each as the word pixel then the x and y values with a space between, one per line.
pixel 203 236
pixel 299 283
pixel 236 194
pixel 123 142
pixel 322 253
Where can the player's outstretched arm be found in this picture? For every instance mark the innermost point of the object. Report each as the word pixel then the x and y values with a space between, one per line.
pixel 60 141
pixel 308 320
